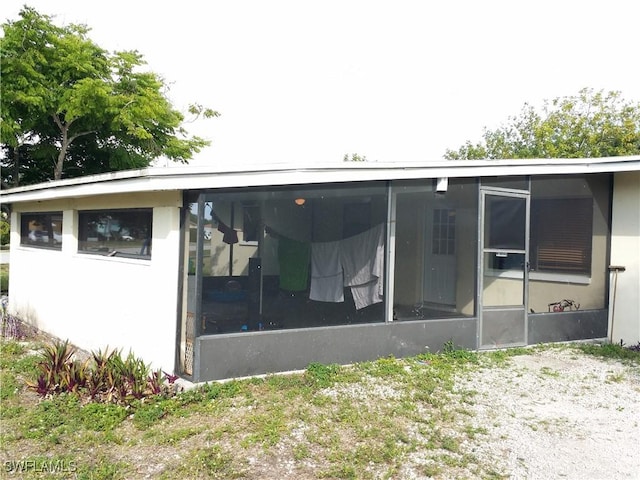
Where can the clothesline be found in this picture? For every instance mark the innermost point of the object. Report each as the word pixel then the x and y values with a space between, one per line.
pixel 356 262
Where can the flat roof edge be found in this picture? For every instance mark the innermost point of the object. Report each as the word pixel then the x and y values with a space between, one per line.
pixel 204 177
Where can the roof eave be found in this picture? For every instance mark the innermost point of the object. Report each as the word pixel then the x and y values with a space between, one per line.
pixel 207 177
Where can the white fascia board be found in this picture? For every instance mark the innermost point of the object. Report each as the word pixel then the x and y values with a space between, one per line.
pixel 194 178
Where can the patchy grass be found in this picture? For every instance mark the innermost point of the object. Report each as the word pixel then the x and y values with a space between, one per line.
pixel 391 418
pixel 612 351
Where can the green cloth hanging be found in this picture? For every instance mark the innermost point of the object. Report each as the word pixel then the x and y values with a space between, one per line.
pixel 294 258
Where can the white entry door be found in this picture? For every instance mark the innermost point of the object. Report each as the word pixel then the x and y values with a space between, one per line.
pixel 440 257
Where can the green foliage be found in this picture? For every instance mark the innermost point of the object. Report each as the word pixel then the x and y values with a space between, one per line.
pixel 450 351
pixel 148 414
pixel 612 350
pixel 4 277
pixel 320 375
pixel 373 419
pixel 213 462
pixel 27 366
pixel 58 371
pixel 52 418
pixel 173 437
pixel 129 377
pixel 384 367
pixel 101 379
pixel 501 357
pixel 11 350
pixel 102 416
pixel 101 469
pixel 267 428
pixel 9 386
pixel 5 232
pixel 589 124
pixel 15 363
pixel 354 158
pixel 106 376
pixel 70 104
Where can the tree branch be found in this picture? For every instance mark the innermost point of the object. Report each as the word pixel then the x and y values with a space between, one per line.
pixel 79 134
pixel 56 119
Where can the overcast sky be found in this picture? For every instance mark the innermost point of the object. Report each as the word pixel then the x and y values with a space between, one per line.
pixel 306 82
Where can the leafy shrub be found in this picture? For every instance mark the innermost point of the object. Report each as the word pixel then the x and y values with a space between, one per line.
pixel 59 372
pixel 104 377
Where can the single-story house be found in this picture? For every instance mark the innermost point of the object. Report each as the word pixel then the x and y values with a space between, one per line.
pixel 213 272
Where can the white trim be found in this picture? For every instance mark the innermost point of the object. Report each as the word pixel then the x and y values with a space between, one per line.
pixel 248 243
pixel 191 177
pixel 541 276
pixel 113 258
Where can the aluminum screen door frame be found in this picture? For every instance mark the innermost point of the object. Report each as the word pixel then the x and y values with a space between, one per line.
pixel 503 262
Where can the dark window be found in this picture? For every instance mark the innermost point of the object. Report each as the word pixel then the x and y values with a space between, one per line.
pixel 123 233
pixel 507 217
pixel 41 229
pixel 356 218
pixel 511 182
pixel 561 233
pixel 250 223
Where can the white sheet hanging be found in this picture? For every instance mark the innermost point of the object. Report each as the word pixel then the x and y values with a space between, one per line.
pixel 362 260
pixel 327 281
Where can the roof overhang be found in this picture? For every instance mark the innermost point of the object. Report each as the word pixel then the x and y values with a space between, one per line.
pixel 213 177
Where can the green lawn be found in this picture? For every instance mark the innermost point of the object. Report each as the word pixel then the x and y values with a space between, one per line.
pixel 361 421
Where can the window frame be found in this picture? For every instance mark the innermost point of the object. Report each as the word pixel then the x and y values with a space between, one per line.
pixel 105 251
pixel 51 243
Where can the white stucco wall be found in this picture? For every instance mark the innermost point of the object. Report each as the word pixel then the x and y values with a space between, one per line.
pixel 625 251
pixel 96 301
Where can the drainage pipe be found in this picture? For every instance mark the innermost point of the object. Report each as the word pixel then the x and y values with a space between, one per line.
pixel 615 269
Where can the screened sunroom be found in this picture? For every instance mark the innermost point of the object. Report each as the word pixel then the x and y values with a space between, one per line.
pixel 351 271
pixel 216 273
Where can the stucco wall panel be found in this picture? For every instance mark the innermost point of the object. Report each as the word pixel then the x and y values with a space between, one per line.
pixel 98 302
pixel 140 200
pixel 625 251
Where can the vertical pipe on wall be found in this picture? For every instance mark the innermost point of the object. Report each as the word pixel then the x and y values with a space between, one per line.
pixel 614 269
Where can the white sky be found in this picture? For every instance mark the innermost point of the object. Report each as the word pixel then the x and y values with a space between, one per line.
pixel 306 82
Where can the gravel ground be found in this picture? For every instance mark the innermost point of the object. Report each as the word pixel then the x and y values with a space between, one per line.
pixel 558 414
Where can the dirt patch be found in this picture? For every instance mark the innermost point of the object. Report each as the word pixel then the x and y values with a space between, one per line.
pixel 558 414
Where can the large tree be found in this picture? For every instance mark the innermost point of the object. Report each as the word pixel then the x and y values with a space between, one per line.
pixel 589 124
pixel 70 108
